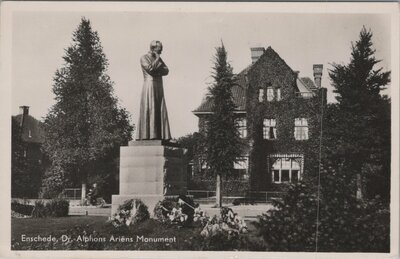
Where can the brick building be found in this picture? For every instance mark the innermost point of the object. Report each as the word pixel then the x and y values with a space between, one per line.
pixel 32 134
pixel 278 116
pixel 27 162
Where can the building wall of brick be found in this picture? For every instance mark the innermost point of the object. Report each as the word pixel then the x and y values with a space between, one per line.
pixel 271 71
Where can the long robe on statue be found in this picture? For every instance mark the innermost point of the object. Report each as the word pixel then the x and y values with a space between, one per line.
pixel 153 118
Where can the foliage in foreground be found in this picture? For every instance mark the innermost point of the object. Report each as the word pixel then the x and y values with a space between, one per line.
pixel 88 233
pixel 53 208
pixel 346 224
pixel 224 232
pixel 24 209
pixel 356 151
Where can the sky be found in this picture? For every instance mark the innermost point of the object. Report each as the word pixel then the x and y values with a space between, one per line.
pixel 39 40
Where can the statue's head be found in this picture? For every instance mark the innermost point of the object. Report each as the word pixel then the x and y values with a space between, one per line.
pixel 156 46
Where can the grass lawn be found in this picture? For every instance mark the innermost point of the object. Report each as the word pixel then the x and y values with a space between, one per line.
pixel 103 236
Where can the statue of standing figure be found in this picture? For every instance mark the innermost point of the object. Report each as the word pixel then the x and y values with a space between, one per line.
pixel 153 118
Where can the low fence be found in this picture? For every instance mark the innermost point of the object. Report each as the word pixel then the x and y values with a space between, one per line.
pixel 201 194
pixel 72 193
pixel 251 197
pixel 261 197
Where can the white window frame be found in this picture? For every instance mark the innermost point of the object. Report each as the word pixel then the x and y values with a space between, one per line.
pixel 267 125
pixel 242 163
pixel 260 95
pixel 241 124
pixel 291 168
pixel 270 94
pixel 301 129
pixel 278 94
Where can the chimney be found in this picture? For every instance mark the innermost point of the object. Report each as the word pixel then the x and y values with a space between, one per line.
pixel 256 53
pixel 23 110
pixel 317 68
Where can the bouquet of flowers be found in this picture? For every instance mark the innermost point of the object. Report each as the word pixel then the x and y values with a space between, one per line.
pixel 234 221
pixel 176 216
pixel 175 212
pixel 229 225
pixel 200 217
pixel 130 212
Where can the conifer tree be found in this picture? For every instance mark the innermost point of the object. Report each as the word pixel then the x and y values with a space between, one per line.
pixel 223 141
pixel 359 124
pixel 85 127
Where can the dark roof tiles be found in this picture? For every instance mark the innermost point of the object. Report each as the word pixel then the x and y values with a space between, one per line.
pixel 239 90
pixel 309 83
pixel 238 94
pixel 31 124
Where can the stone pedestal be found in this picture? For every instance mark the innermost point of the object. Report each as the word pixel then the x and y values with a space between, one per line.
pixel 150 170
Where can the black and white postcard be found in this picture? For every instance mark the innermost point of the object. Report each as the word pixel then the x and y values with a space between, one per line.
pixel 201 130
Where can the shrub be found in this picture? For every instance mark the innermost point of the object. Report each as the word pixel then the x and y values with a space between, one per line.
pixel 40 210
pixel 345 223
pixel 130 212
pixel 53 182
pixel 244 201
pixel 57 208
pixel 225 232
pixel 53 208
pixel 24 209
pixel 290 226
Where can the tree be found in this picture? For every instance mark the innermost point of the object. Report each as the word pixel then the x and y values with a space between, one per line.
pixel 196 148
pixel 359 124
pixel 85 127
pixel 223 143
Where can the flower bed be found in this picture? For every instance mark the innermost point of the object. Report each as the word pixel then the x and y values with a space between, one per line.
pixel 130 212
pixel 180 211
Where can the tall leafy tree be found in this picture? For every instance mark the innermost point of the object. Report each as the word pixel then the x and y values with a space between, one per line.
pixel 223 141
pixel 359 124
pixel 196 148
pixel 85 127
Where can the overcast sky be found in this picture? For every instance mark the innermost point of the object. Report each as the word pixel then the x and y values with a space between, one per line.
pixel 39 40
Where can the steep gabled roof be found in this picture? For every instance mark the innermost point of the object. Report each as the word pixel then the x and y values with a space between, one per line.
pixel 32 124
pixel 309 83
pixel 271 53
pixel 238 94
pixel 304 84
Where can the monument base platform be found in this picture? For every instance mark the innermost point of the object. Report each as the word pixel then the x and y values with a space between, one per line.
pixel 150 170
